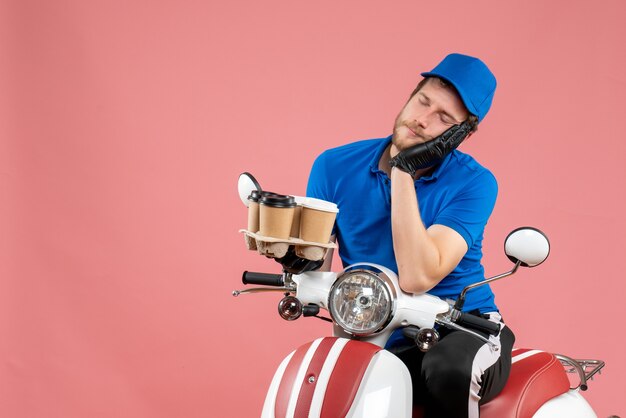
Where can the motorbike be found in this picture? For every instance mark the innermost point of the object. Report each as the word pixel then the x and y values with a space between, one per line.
pixel 350 374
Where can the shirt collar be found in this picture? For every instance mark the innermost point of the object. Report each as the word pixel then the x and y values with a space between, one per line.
pixel 379 153
pixel 431 177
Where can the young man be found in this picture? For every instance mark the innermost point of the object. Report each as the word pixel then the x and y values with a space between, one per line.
pixel 413 203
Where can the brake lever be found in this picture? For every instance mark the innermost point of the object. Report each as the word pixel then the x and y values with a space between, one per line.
pixel 447 323
pixel 236 293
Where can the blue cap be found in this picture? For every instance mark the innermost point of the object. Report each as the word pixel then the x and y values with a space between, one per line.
pixel 470 76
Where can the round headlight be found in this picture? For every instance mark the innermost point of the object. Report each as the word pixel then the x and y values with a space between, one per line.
pixel 361 301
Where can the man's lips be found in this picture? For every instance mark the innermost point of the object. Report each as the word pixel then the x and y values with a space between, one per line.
pixel 412 131
pixel 414 134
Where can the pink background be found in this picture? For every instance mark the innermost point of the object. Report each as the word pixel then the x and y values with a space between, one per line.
pixel 124 125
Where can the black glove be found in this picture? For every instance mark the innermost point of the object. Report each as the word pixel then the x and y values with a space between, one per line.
pixel 431 152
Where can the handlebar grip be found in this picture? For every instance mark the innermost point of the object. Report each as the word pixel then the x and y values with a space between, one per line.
pixel 478 323
pixel 266 279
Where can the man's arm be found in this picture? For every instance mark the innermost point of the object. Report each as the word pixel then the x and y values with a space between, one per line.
pixel 424 256
pixel 328 261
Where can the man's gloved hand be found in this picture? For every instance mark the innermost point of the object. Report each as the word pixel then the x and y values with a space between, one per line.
pixel 431 152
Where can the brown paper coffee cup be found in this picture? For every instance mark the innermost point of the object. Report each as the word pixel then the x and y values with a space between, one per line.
pixel 253 217
pixel 295 224
pixel 317 220
pixel 276 216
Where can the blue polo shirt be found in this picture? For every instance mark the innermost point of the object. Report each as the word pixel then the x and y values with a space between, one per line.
pixel 460 194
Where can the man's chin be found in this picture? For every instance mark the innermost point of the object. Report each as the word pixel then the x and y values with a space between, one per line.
pixel 400 140
pixel 402 143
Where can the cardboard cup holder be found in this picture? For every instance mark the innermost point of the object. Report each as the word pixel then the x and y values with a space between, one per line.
pixel 311 252
pixel 272 249
pixel 277 247
pixel 250 243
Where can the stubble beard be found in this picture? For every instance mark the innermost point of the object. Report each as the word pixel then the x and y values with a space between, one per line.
pixel 403 140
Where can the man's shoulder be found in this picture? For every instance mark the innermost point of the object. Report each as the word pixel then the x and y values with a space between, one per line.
pixel 468 164
pixel 349 161
pixel 363 146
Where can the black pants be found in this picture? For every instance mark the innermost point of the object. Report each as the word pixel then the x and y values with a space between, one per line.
pixel 459 373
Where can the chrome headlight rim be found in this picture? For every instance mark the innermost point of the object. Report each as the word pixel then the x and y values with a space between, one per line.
pixel 387 285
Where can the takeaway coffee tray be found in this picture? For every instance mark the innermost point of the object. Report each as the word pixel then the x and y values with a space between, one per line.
pixel 278 248
pixel 295 255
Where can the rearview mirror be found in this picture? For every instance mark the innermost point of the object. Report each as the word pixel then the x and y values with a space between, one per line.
pixel 527 245
pixel 246 184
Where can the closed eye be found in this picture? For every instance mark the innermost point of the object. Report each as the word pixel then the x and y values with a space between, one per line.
pixel 446 119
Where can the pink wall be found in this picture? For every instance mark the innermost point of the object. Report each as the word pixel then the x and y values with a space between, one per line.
pixel 124 125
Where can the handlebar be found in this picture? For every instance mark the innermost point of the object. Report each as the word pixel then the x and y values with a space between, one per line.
pixel 476 322
pixel 265 279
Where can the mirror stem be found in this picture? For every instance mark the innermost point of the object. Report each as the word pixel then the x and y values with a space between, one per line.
pixel 461 301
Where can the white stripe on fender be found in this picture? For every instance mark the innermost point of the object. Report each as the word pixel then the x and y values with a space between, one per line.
pixel 527 354
pixel 297 384
pixel 269 406
pixel 324 377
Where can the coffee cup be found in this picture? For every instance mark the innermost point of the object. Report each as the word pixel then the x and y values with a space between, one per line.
pixel 276 215
pixel 295 224
pixel 253 211
pixel 317 220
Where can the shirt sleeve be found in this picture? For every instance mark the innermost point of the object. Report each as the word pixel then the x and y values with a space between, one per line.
pixel 468 212
pixel 317 186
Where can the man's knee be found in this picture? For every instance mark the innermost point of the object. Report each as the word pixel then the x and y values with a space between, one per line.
pixel 447 369
pixel 446 379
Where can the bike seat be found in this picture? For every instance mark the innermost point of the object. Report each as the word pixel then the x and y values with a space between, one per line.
pixel 536 377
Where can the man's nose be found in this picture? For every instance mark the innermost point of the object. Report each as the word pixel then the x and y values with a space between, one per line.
pixel 423 119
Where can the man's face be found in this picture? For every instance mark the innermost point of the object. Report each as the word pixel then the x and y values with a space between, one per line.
pixel 428 114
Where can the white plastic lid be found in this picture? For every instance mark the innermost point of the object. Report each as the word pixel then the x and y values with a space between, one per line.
pixel 300 199
pixel 319 204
